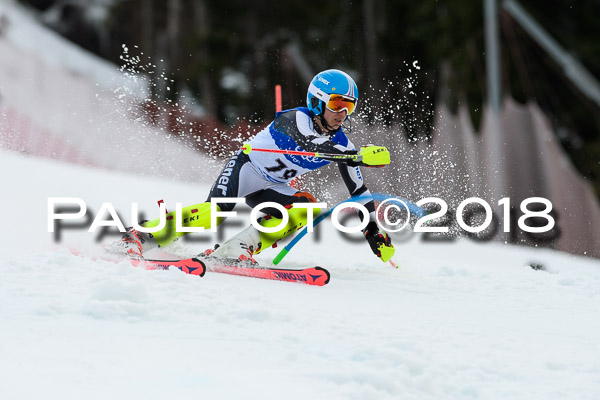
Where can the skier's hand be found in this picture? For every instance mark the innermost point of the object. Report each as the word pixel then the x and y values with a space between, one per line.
pixel 380 243
pixel 356 161
pixel 373 156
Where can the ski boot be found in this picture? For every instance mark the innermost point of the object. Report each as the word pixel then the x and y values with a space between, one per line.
pixel 251 241
pixel 134 244
pixel 237 250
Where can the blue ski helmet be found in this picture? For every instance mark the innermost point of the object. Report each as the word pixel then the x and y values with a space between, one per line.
pixel 333 89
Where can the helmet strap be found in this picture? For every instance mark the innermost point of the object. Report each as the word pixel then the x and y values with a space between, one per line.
pixel 347 125
pixel 328 128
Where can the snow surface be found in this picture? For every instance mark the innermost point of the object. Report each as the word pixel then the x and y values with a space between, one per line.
pixel 456 321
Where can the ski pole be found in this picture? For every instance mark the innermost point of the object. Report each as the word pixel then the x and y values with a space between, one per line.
pixel 283 252
pixel 246 148
pixel 302 233
pixel 418 211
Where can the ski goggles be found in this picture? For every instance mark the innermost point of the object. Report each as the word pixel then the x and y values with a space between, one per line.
pixel 339 102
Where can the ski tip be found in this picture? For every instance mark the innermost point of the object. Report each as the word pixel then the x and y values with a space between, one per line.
pixel 326 273
pixel 202 268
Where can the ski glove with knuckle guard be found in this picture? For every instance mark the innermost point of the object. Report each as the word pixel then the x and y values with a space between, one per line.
pixel 369 156
pixel 380 243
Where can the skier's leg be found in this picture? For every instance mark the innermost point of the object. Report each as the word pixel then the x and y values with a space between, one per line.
pixel 252 241
pixel 196 216
pixel 136 243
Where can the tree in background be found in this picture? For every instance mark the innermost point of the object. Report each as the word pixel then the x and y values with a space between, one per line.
pixel 406 56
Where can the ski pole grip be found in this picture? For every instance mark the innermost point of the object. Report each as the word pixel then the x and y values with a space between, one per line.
pixel 246 148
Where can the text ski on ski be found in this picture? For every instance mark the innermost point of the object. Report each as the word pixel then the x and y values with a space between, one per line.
pixel 263 176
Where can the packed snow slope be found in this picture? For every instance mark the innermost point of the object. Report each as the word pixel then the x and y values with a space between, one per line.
pixel 456 321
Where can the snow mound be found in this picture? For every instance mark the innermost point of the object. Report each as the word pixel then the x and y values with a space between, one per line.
pixel 460 321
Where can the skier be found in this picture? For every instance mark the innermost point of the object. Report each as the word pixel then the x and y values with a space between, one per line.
pixel 265 177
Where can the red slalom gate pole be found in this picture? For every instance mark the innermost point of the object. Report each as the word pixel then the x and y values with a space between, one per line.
pixel 277 98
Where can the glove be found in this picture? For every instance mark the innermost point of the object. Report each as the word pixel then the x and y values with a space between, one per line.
pixel 373 156
pixel 357 162
pixel 380 243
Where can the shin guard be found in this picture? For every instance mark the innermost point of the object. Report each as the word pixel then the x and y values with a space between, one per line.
pixel 297 220
pixel 196 216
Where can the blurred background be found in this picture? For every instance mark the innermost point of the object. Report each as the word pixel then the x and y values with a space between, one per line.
pixel 474 98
